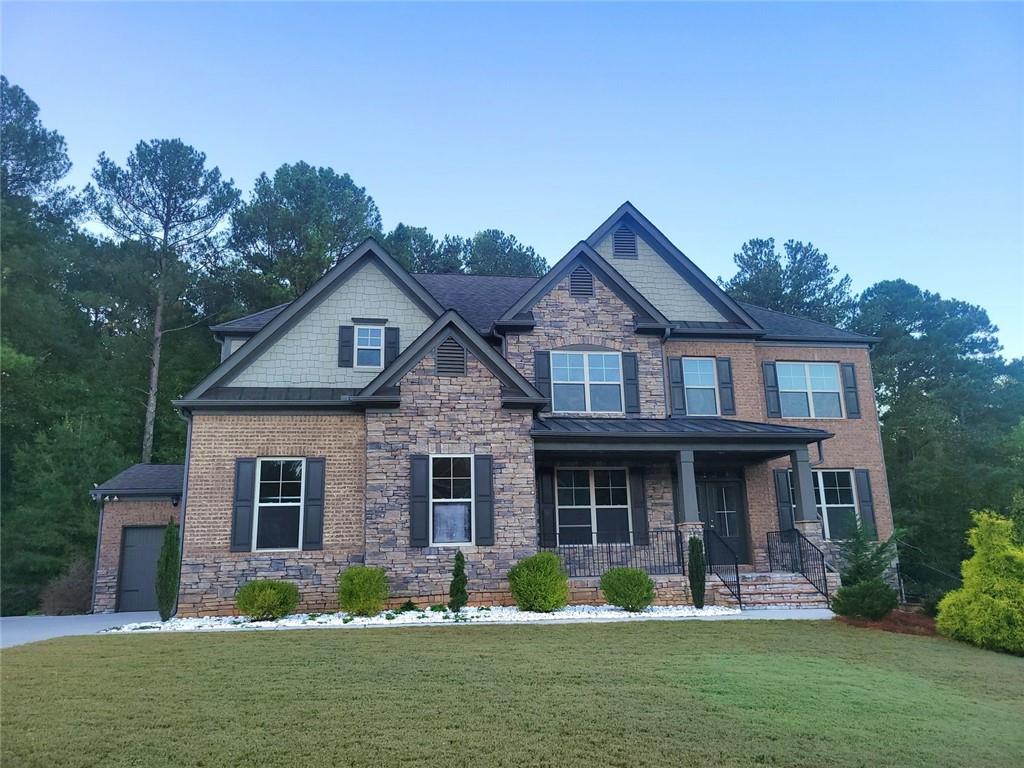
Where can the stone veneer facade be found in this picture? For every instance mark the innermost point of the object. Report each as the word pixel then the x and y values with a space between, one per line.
pixel 118 515
pixel 448 415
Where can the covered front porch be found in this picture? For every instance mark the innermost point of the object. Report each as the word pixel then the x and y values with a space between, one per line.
pixel 632 492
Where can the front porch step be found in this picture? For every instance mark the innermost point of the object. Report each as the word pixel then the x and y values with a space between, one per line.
pixel 774 590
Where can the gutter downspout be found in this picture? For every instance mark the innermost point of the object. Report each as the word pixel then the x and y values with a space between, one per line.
pixel 187 416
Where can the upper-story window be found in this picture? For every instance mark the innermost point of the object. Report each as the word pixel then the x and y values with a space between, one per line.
pixel 810 390
pixel 701 386
pixel 586 382
pixel 369 346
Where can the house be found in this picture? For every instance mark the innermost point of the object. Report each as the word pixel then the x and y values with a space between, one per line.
pixel 608 411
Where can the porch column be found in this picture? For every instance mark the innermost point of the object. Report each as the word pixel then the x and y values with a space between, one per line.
pixel 805 516
pixel 687 486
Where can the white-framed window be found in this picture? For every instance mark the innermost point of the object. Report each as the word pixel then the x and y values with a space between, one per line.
pixel 701 382
pixel 810 390
pixel 592 506
pixel 586 382
pixel 277 519
pixel 451 500
pixel 369 346
pixel 835 497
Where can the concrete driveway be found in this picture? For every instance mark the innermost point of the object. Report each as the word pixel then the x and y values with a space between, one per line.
pixel 18 630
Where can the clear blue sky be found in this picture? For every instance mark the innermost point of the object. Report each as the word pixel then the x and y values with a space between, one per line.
pixel 892 136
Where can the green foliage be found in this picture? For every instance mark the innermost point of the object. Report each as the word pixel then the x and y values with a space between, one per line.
pixel 492 252
pixel 362 590
pixel 419 251
pixel 70 593
pixel 863 558
pixel 407 606
pixel 629 588
pixel 988 610
pixel 458 597
pixel 34 159
pixel 696 570
pixel 167 570
pixel 538 583
pixel 267 600
pixel 870 599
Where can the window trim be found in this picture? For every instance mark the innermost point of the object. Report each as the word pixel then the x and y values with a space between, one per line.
pixel 586 379
pixel 471 500
pixel 594 506
pixel 810 390
pixel 713 388
pixel 356 346
pixel 257 504
pixel 820 507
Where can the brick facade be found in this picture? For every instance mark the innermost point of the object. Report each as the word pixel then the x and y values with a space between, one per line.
pixel 118 515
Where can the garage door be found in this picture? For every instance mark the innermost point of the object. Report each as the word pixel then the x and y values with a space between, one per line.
pixel 140 548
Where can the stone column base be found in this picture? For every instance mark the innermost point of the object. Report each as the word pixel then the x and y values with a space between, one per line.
pixel 689 531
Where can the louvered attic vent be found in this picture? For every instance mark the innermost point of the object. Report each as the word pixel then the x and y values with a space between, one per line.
pixel 624 243
pixel 450 359
pixel 581 283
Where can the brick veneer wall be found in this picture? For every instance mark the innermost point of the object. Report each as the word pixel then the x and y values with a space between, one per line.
pixel 856 444
pixel 438 415
pixel 602 320
pixel 118 515
pixel 210 572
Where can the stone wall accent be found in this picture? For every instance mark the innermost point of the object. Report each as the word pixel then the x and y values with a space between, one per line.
pixel 118 515
pixel 446 415
pixel 307 354
pixel 211 573
pixel 602 320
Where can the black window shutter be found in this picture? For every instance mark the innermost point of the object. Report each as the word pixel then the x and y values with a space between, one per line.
pixel 546 506
pixel 850 391
pixel 346 345
pixel 390 345
pixel 483 502
pixel 784 499
pixel 242 508
pixel 419 501
pixel 677 386
pixel 866 502
pixel 542 375
pixel 726 397
pixel 313 505
pixel 638 507
pixel 771 391
pixel 631 382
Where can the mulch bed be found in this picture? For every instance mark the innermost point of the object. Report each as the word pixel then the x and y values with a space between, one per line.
pixel 902 622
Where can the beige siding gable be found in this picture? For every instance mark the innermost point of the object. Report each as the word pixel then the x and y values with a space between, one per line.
pixel 660 283
pixel 307 354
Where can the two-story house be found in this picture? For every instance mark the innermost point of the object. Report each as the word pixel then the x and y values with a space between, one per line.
pixel 609 411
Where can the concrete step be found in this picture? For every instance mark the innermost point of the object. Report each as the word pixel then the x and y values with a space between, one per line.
pixel 771 589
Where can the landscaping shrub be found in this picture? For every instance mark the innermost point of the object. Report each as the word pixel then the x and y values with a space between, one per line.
pixel 538 583
pixel 167 568
pixel 69 593
pixel 988 611
pixel 457 591
pixel 696 571
pixel 862 558
pixel 362 590
pixel 628 588
pixel 872 599
pixel 266 599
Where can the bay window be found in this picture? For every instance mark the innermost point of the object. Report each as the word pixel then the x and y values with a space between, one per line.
pixel 586 382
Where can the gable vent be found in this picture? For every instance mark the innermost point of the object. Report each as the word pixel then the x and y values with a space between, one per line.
pixel 581 283
pixel 624 243
pixel 450 359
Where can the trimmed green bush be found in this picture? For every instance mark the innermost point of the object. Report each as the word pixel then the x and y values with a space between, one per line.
pixel 538 583
pixel 696 571
pixel 457 591
pixel 988 611
pixel 872 599
pixel 266 599
pixel 362 590
pixel 628 588
pixel 863 558
pixel 167 568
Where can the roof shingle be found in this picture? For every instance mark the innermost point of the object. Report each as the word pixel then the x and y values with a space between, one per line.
pixel 145 480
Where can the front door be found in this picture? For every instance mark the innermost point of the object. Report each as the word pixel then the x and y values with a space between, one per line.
pixel 721 508
pixel 140 549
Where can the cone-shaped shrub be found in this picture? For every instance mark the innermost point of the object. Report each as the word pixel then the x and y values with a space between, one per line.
pixel 167 568
pixel 695 572
pixel 458 597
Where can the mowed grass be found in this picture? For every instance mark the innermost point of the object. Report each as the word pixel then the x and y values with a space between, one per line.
pixel 646 694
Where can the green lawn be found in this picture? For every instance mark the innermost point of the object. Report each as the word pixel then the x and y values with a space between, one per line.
pixel 657 693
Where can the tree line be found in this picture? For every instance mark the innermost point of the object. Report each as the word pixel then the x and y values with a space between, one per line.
pixel 99 333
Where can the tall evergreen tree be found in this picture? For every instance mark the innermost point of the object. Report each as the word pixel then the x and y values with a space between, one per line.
pixel 34 159
pixel 492 252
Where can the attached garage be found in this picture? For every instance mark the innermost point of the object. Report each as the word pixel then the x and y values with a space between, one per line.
pixel 135 509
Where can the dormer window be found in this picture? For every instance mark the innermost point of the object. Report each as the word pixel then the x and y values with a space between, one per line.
pixel 624 243
pixel 581 283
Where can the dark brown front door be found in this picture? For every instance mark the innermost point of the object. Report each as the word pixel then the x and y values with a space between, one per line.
pixel 722 509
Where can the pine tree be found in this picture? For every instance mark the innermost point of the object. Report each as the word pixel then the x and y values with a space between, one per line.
pixel 695 572
pixel 457 591
pixel 167 568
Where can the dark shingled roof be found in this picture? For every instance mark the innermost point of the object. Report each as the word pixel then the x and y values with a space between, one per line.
pixel 697 428
pixel 781 325
pixel 145 480
pixel 480 299
pixel 281 394
pixel 250 323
